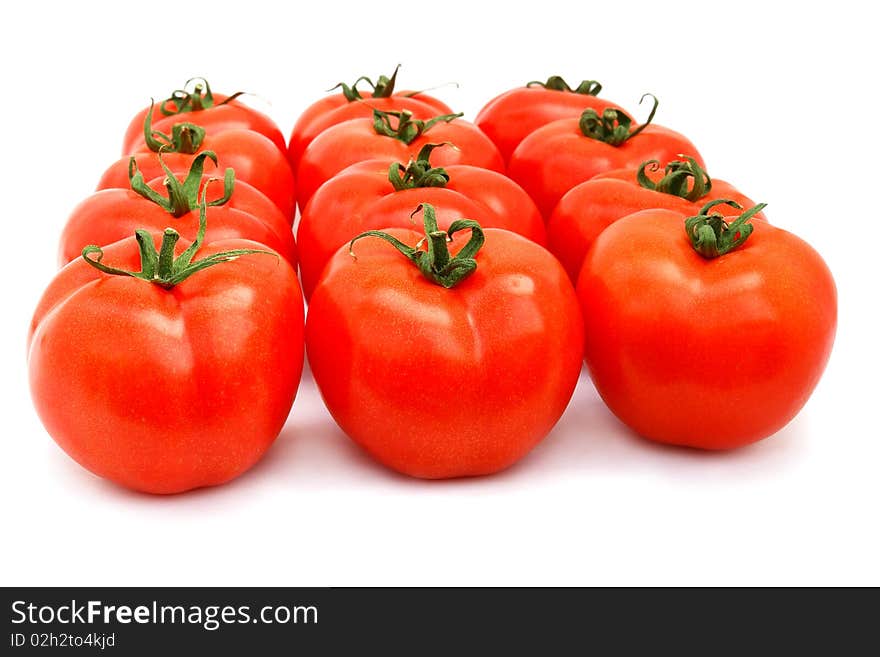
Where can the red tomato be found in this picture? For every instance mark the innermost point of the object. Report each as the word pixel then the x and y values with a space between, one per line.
pixel 442 382
pixel 350 104
pixel 166 389
pixel 555 158
pixel 709 352
pixel 214 112
pixel 377 139
pixel 508 118
pixel 363 197
pixel 112 214
pixel 255 159
pixel 589 208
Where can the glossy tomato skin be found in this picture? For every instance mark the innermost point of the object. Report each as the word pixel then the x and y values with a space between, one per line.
pixel 508 118
pixel 556 157
pixel 255 159
pixel 235 115
pixel 713 354
pixel 336 109
pixel 114 214
pixel 439 383
pixel 162 391
pixel 356 140
pixel 361 198
pixel 590 207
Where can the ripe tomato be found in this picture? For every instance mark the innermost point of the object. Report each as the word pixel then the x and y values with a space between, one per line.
pixel 214 112
pixel 378 139
pixel 255 159
pixel 508 118
pixel 589 208
pixel 710 352
pixel 377 194
pixel 350 104
pixel 553 159
pixel 173 384
pixel 112 214
pixel 450 375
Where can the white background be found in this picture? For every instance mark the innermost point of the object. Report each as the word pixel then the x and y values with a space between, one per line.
pixel 780 101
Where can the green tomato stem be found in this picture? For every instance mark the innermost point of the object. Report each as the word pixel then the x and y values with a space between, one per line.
pixel 614 126
pixel 200 98
pixel 419 172
pixel 436 264
pixel 683 178
pixel 183 196
pixel 185 137
pixel 161 267
pixel 383 88
pixel 712 236
pixel 408 129
pixel 557 83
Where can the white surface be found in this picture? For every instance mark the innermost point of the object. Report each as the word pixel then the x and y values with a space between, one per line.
pixel 781 102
